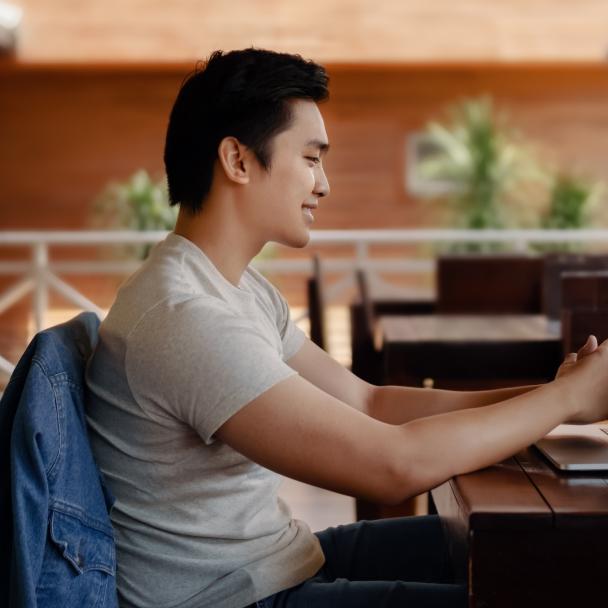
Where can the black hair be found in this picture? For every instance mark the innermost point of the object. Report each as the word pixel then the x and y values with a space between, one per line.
pixel 243 94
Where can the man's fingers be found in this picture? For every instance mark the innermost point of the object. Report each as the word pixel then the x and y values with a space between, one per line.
pixel 589 346
pixel 570 358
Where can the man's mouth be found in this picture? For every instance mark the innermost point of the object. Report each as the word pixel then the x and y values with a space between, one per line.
pixel 307 211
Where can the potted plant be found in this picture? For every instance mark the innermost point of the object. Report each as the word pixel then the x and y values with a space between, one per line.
pixel 572 200
pixel 138 203
pixel 484 159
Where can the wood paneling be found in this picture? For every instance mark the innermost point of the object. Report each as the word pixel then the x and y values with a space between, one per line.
pixel 67 130
pixel 66 133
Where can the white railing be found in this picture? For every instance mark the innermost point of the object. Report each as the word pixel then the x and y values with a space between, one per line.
pixel 39 274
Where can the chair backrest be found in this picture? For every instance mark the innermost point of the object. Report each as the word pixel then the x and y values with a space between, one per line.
pixel 489 284
pixel 554 266
pixel 316 304
pixel 577 325
pixel 367 305
pixel 366 360
pixel 584 307
pixel 584 290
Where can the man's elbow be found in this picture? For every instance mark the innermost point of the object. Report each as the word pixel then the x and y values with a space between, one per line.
pixel 399 480
pixel 410 470
pixel 403 484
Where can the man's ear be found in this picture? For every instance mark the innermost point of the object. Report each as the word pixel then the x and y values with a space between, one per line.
pixel 235 160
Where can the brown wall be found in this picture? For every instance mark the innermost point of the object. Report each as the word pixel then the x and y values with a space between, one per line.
pixel 67 130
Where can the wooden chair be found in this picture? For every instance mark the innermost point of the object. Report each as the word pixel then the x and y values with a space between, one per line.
pixel 316 305
pixel 584 297
pixel 489 284
pixel 366 360
pixel 554 266
pixel 584 290
pixel 577 325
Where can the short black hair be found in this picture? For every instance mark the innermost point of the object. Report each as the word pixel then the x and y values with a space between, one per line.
pixel 243 94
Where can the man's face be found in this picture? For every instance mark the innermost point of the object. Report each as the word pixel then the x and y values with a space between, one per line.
pixel 287 196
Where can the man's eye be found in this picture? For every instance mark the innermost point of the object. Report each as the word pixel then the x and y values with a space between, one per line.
pixel 313 159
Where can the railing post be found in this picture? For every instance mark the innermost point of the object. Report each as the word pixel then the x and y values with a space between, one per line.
pixel 361 254
pixel 520 246
pixel 41 296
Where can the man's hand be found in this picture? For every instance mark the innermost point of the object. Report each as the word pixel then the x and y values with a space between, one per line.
pixel 585 386
pixel 572 358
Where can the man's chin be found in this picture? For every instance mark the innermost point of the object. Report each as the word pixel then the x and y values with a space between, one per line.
pixel 296 241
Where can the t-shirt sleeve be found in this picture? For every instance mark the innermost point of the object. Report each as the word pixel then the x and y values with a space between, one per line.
pixel 291 335
pixel 201 364
pixel 293 339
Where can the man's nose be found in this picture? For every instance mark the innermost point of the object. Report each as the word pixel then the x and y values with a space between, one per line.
pixel 322 186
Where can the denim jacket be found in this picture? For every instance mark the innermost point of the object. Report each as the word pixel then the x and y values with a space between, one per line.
pixel 56 538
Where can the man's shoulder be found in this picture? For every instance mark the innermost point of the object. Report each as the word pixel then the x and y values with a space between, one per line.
pixel 158 305
pixel 182 311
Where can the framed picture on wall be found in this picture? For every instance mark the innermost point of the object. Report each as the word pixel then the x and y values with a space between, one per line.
pixel 420 151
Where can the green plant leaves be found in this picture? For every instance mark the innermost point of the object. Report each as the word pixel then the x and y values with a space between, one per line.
pixel 498 181
pixel 138 203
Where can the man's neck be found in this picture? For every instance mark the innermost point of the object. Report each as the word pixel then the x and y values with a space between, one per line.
pixel 223 240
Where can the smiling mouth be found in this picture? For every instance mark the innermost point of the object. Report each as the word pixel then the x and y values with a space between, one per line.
pixel 310 207
pixel 307 212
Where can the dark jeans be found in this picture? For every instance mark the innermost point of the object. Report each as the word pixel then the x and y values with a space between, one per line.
pixel 392 562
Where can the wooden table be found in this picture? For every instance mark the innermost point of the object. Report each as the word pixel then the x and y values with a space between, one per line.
pixel 468 351
pixel 463 352
pixel 525 535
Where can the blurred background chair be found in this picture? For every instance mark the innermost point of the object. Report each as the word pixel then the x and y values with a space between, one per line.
pixel 316 304
pixel 577 325
pixel 584 307
pixel 489 284
pixel 366 359
pixel 554 266
pixel 373 300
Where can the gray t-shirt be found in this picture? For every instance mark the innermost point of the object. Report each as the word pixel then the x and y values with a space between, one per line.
pixel 182 350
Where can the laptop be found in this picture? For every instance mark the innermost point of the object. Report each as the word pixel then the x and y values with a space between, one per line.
pixel 573 447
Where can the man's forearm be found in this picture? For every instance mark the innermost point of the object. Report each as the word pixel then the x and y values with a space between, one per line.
pixel 434 449
pixel 400 404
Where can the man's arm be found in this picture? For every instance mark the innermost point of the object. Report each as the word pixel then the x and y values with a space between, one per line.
pixel 299 430
pixel 401 404
pixel 391 404
pixel 397 405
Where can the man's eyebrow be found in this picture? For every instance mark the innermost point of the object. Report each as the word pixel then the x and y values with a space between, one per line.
pixel 323 146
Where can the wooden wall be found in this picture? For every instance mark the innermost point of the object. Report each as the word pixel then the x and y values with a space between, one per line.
pixel 67 130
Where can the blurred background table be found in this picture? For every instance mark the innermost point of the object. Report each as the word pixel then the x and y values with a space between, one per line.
pixel 467 351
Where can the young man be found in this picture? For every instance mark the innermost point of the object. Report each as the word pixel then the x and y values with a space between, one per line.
pixel 203 392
